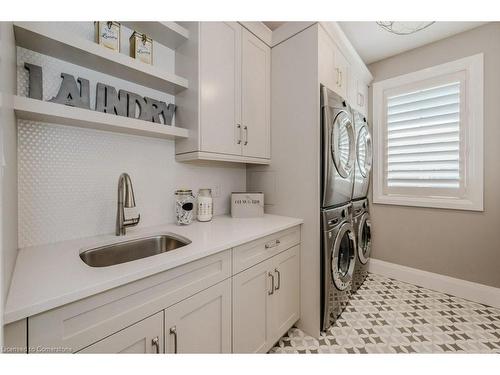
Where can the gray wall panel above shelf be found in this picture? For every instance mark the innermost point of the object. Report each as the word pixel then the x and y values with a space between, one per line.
pixel 45 38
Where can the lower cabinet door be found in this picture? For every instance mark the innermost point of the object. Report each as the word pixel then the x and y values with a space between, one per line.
pixel 252 290
pixel 142 337
pixel 201 323
pixel 285 304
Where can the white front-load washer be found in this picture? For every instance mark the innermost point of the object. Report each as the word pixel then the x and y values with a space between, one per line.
pixel 338 259
pixel 364 151
pixel 338 149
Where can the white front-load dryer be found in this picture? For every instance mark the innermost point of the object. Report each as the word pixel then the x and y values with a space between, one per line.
pixel 338 260
pixel 362 229
pixel 338 149
pixel 364 151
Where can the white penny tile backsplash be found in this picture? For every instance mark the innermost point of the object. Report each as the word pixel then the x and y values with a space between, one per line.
pixel 68 176
pixel 68 180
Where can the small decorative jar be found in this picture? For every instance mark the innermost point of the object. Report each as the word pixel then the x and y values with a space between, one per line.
pixel 141 47
pixel 205 205
pixel 184 206
pixel 108 34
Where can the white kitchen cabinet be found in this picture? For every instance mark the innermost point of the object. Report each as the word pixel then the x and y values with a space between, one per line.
pixel 358 93
pixel 255 96
pixel 143 337
pixel 286 300
pixel 341 71
pixel 220 87
pixel 326 61
pixel 227 106
pixel 251 310
pixel 201 323
pixel 241 299
pixel 266 302
pixel 362 97
pixel 333 67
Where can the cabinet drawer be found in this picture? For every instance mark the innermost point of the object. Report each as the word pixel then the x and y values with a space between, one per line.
pixel 249 254
pixel 84 322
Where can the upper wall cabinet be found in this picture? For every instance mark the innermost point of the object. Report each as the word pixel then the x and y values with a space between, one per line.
pixel 333 66
pixel 358 93
pixel 341 75
pixel 255 97
pixel 227 108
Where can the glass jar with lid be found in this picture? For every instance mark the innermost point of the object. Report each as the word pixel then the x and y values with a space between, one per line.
pixel 205 205
pixel 184 206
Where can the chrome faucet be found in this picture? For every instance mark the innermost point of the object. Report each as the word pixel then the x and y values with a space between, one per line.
pixel 125 199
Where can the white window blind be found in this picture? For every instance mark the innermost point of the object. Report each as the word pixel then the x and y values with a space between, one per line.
pixel 428 137
pixel 423 138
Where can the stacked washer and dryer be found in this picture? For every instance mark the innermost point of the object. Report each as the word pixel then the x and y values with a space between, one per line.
pixel 345 225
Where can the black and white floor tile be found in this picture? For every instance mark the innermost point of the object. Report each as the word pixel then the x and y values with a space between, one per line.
pixel 389 316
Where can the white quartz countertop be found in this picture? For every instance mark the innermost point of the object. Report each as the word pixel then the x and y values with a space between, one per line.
pixel 53 275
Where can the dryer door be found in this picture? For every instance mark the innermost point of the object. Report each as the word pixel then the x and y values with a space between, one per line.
pixel 343 257
pixel 364 238
pixel 342 144
pixel 364 151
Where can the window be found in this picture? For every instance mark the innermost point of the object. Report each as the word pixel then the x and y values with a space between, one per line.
pixel 428 137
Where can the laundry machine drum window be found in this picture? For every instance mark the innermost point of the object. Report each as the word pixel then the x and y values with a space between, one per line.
pixel 364 151
pixel 342 144
pixel 364 239
pixel 342 262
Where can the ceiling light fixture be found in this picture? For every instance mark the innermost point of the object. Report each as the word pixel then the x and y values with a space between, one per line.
pixel 403 28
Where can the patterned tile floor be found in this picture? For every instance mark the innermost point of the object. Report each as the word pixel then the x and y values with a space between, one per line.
pixel 389 316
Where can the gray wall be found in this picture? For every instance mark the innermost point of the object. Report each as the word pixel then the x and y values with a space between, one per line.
pixel 461 244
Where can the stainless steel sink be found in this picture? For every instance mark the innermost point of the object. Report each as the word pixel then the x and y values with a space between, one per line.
pixel 128 251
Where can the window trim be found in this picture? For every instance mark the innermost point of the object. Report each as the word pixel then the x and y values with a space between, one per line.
pixel 472 198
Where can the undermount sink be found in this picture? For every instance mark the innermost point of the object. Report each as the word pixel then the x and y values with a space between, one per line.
pixel 128 251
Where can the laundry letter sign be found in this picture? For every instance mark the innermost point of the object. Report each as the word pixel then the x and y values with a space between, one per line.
pixel 76 93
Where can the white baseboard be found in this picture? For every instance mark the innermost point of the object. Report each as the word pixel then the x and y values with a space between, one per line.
pixel 475 292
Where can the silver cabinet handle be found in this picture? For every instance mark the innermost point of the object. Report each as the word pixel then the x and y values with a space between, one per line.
pixel 279 279
pixel 156 343
pixel 238 126
pixel 338 76
pixel 245 129
pixel 173 331
pixel 272 284
pixel 272 244
pixel 340 73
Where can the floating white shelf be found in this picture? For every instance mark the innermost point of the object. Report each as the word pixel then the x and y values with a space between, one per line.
pixel 48 40
pixel 170 34
pixel 38 110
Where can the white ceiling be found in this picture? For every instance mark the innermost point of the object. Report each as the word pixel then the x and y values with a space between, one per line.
pixel 373 43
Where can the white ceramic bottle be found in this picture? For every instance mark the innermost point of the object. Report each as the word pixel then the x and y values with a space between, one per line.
pixel 205 205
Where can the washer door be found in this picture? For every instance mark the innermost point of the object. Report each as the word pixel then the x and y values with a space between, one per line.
pixel 342 261
pixel 364 151
pixel 364 238
pixel 342 143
